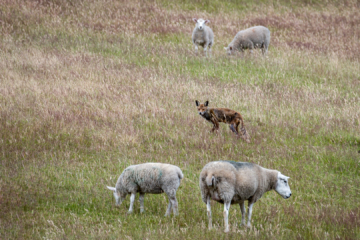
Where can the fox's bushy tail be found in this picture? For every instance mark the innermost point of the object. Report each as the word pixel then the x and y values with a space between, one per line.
pixel 244 134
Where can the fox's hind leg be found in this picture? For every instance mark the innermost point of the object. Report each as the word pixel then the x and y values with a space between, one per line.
pixel 232 128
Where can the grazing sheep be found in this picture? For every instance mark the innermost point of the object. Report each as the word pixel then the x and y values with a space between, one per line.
pixel 229 182
pixel 202 35
pixel 254 37
pixel 148 178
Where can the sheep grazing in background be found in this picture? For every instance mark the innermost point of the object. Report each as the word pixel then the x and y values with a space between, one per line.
pixel 202 35
pixel 229 182
pixel 254 37
pixel 148 178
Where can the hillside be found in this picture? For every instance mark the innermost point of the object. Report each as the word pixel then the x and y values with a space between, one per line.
pixel 88 88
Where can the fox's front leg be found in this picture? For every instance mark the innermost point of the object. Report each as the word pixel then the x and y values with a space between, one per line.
pixel 216 125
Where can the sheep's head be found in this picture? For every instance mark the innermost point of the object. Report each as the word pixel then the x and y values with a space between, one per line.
pixel 202 107
pixel 200 23
pixel 282 187
pixel 229 49
pixel 119 196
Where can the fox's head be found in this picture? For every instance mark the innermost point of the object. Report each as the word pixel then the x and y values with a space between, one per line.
pixel 202 107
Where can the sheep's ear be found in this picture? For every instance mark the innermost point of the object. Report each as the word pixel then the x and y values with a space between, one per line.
pixel 197 103
pixel 206 103
pixel 230 48
pixel 207 21
pixel 195 20
pixel 225 48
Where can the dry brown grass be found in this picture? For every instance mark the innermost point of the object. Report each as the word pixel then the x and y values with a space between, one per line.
pixel 89 87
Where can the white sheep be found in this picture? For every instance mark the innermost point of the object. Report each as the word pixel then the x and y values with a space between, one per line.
pixel 254 37
pixel 148 178
pixel 229 182
pixel 202 35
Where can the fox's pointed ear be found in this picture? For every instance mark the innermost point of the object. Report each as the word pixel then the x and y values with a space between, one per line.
pixel 206 103
pixel 197 103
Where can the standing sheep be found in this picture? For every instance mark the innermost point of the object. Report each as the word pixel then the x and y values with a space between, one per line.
pixel 254 37
pixel 148 178
pixel 229 182
pixel 202 35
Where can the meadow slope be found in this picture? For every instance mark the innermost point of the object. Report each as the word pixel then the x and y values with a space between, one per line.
pixel 90 87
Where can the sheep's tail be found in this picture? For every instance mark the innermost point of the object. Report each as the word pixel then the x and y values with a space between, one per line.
pixel 111 188
pixel 211 182
pixel 180 174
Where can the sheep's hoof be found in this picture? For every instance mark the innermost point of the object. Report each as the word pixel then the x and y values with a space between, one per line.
pixel 129 212
pixel 248 225
pixel 226 230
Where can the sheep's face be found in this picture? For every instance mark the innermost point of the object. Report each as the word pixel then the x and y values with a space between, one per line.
pixel 119 196
pixel 282 186
pixel 229 50
pixel 200 23
pixel 202 107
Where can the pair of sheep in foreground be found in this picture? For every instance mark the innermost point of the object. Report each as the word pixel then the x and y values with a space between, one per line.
pixel 226 182
pixel 254 37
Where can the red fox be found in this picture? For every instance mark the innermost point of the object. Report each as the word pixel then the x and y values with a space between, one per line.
pixel 225 115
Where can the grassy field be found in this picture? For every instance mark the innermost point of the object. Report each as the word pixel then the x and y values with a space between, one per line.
pixel 88 88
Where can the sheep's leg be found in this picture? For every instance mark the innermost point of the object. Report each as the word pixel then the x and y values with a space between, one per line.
pixel 249 214
pixel 132 200
pixel 208 208
pixel 206 50
pixel 226 215
pixel 242 53
pixel 242 208
pixel 264 49
pixel 196 48
pixel 175 206
pixel 141 199
pixel 172 200
pixel 251 47
pixel 168 210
